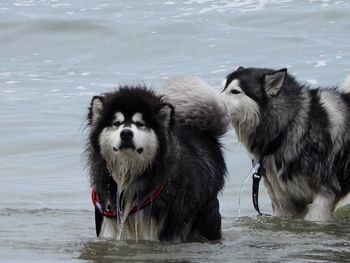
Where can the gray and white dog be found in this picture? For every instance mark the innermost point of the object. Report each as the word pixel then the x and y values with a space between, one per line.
pixel 300 135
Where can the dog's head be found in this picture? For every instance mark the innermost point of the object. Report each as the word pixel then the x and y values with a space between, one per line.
pixel 128 128
pixel 247 91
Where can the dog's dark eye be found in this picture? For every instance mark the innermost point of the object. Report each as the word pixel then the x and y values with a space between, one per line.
pixel 234 91
pixel 117 123
pixel 139 124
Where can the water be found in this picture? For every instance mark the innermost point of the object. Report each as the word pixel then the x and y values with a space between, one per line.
pixel 56 54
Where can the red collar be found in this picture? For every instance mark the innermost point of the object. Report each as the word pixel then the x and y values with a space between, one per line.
pixel 96 200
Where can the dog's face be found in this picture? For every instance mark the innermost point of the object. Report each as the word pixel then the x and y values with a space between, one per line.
pixel 127 127
pixel 246 91
pixel 128 136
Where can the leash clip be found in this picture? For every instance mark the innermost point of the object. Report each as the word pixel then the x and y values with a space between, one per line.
pixel 256 176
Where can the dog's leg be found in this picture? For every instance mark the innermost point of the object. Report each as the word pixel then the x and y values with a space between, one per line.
pixel 181 225
pixel 209 225
pixel 321 208
pixel 108 228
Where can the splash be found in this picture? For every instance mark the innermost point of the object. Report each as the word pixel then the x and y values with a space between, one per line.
pixel 121 218
pixel 137 218
pixel 125 202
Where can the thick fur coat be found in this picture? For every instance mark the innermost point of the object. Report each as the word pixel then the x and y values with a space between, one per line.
pixel 140 141
pixel 308 168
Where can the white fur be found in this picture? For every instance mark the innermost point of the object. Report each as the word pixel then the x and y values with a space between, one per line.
pixel 197 103
pixel 137 117
pixel 119 117
pixel 320 209
pixel 346 84
pixel 223 84
pixel 126 164
pixel 186 88
pixel 108 228
pixel 280 190
pixel 243 110
pixel 138 226
pixel 336 111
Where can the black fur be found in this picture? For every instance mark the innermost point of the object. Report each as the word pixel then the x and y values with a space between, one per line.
pixel 190 160
pixel 308 149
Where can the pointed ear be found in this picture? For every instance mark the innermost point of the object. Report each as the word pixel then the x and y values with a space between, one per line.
pixel 274 81
pixel 96 108
pixel 166 114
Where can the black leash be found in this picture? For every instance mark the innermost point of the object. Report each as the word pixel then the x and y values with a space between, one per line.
pixel 260 170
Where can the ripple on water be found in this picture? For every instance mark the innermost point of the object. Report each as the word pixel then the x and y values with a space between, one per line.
pixel 246 239
pixel 55 62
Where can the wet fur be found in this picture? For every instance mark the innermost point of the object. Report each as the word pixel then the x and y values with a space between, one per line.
pixel 309 173
pixel 188 159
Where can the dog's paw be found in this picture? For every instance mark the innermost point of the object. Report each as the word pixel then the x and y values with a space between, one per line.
pixel 319 214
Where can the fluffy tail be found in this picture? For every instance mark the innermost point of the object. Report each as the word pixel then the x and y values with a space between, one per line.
pixel 197 104
pixel 346 85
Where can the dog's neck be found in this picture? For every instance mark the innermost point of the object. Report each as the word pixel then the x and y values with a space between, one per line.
pixel 245 124
pixel 244 134
pixel 259 143
pixel 125 171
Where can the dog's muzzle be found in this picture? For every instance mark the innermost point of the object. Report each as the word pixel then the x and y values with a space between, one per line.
pixel 126 136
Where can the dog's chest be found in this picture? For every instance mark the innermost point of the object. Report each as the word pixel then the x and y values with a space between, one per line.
pixel 141 226
pixel 138 226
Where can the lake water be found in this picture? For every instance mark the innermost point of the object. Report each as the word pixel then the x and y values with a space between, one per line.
pixel 56 54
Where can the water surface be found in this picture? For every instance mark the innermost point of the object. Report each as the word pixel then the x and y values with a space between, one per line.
pixel 57 54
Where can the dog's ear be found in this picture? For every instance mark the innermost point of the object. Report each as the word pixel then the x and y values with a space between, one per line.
pixel 96 108
pixel 274 81
pixel 166 114
pixel 240 68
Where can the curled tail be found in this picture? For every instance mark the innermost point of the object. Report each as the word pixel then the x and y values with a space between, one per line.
pixel 197 104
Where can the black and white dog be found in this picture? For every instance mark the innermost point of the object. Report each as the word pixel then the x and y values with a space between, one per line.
pixel 300 136
pixel 156 163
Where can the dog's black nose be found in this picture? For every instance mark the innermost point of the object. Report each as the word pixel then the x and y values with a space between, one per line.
pixel 126 135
